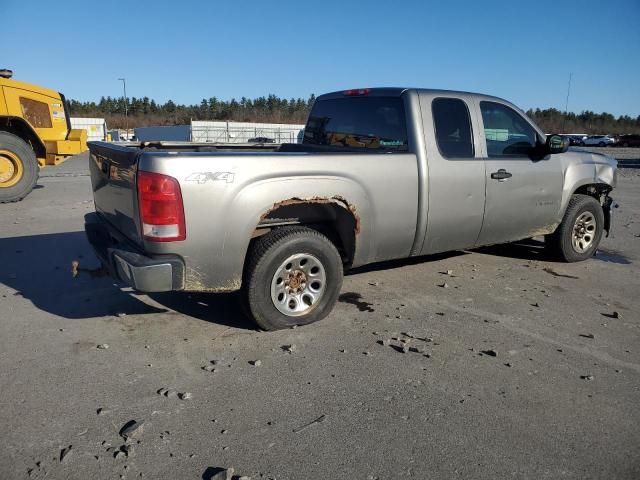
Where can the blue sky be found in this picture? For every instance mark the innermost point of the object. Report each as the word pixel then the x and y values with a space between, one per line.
pixel 189 50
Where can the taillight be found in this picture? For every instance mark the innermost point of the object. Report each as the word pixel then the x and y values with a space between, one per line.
pixel 357 91
pixel 161 209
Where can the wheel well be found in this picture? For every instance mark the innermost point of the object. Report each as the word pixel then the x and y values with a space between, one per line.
pixel 595 190
pixel 599 191
pixel 332 217
pixel 20 128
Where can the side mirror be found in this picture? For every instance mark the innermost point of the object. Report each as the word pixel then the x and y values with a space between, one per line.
pixel 556 144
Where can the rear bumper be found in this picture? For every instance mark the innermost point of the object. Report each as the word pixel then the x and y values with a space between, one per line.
pixel 127 264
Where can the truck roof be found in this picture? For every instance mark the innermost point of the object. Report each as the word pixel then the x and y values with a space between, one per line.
pixel 397 91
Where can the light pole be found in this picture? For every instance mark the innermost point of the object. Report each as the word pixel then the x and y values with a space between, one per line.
pixel 126 117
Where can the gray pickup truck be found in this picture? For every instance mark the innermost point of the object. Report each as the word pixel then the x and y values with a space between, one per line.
pixel 381 174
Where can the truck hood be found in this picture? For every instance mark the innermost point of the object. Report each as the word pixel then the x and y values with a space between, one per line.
pixel 592 166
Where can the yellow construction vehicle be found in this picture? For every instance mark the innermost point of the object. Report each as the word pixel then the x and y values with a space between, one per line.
pixel 35 130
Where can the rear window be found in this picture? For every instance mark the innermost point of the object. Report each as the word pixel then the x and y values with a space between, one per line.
pixel 369 123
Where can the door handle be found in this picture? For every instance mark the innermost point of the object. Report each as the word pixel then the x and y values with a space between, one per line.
pixel 501 174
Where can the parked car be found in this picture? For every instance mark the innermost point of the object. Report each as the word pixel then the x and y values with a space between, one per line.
pixel 631 140
pixel 599 140
pixel 381 174
pixel 261 140
pixel 576 139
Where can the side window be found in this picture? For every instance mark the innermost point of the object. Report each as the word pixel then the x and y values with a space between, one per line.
pixel 36 113
pixel 507 133
pixel 453 127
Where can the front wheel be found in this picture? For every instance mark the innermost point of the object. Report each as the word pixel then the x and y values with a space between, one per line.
pixel 293 277
pixel 580 232
pixel 18 168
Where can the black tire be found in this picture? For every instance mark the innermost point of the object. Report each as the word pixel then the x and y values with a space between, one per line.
pixel 265 258
pixel 581 144
pixel 30 169
pixel 601 144
pixel 560 242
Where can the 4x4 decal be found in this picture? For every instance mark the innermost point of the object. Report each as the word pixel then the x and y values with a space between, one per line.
pixel 204 177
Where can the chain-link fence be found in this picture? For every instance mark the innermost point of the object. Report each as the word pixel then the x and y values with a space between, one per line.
pixel 241 132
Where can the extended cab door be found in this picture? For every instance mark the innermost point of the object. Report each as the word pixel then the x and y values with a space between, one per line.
pixel 455 173
pixel 522 195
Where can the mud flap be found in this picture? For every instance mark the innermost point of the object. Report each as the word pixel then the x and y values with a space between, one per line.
pixel 607 208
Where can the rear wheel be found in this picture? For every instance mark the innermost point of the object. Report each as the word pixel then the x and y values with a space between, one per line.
pixel 293 277
pixel 580 232
pixel 18 168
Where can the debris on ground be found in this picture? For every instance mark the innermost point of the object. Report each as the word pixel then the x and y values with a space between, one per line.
pixel 172 393
pixel 103 346
pixel 443 285
pixel 131 429
pixel 320 419
pixel 74 268
pixel 209 368
pixel 587 335
pixel 611 315
pixel 123 451
pixel 185 396
pixel 102 411
pixel 587 377
pixel 490 353
pixel 556 274
pixel 288 348
pixel 65 452
pixel 255 363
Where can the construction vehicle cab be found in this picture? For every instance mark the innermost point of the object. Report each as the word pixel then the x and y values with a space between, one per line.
pixel 35 130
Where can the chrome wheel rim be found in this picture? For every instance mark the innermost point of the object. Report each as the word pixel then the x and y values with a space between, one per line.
pixel 298 284
pixel 584 231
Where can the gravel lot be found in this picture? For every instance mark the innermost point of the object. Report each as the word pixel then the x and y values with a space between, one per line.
pixel 521 368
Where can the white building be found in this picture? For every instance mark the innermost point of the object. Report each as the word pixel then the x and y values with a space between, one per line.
pixel 96 127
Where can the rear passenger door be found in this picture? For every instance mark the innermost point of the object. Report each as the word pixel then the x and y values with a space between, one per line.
pixel 456 176
pixel 522 194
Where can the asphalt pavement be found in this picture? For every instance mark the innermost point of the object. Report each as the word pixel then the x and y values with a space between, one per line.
pixel 495 363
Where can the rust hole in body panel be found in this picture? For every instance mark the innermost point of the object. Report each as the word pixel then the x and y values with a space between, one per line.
pixel 334 216
pixel 335 200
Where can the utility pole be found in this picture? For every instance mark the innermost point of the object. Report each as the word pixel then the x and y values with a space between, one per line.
pixel 126 116
pixel 566 103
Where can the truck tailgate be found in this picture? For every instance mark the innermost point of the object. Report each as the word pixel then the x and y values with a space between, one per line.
pixel 113 179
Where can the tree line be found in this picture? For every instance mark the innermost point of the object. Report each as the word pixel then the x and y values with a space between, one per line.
pixel 273 109
pixel 552 120
pixel 144 111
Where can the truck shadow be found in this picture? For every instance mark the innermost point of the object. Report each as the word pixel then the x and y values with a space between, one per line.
pixel 529 249
pixel 38 268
